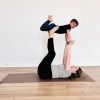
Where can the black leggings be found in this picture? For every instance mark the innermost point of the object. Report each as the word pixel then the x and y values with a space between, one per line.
pixel 44 68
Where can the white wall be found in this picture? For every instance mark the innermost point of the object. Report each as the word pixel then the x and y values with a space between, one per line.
pixel 23 44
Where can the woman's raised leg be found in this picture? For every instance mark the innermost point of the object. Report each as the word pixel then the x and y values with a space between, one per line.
pixel 44 68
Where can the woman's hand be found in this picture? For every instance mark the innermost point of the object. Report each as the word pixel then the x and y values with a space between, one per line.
pixel 70 42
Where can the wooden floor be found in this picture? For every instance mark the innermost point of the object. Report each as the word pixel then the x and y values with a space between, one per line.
pixel 22 83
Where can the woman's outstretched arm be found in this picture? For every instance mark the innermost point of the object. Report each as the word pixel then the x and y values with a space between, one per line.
pixel 67 50
pixel 67 56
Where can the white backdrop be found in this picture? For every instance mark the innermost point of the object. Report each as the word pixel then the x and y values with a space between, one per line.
pixel 23 44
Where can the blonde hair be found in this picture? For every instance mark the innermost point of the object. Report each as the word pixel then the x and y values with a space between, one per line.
pixel 79 74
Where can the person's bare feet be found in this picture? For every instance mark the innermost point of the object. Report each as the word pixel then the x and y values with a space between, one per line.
pixel 50 18
pixel 52 31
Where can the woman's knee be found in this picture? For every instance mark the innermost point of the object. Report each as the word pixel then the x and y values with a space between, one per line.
pixel 53 53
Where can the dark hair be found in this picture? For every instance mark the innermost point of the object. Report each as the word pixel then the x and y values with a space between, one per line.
pixel 78 74
pixel 75 21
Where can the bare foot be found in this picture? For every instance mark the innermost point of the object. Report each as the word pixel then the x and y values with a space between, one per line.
pixel 50 18
pixel 52 31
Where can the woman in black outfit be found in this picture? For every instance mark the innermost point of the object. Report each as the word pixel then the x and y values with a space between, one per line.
pixel 45 69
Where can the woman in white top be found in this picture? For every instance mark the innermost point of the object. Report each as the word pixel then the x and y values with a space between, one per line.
pixel 48 71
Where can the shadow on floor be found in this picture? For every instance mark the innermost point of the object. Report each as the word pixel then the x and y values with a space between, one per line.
pixel 33 77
